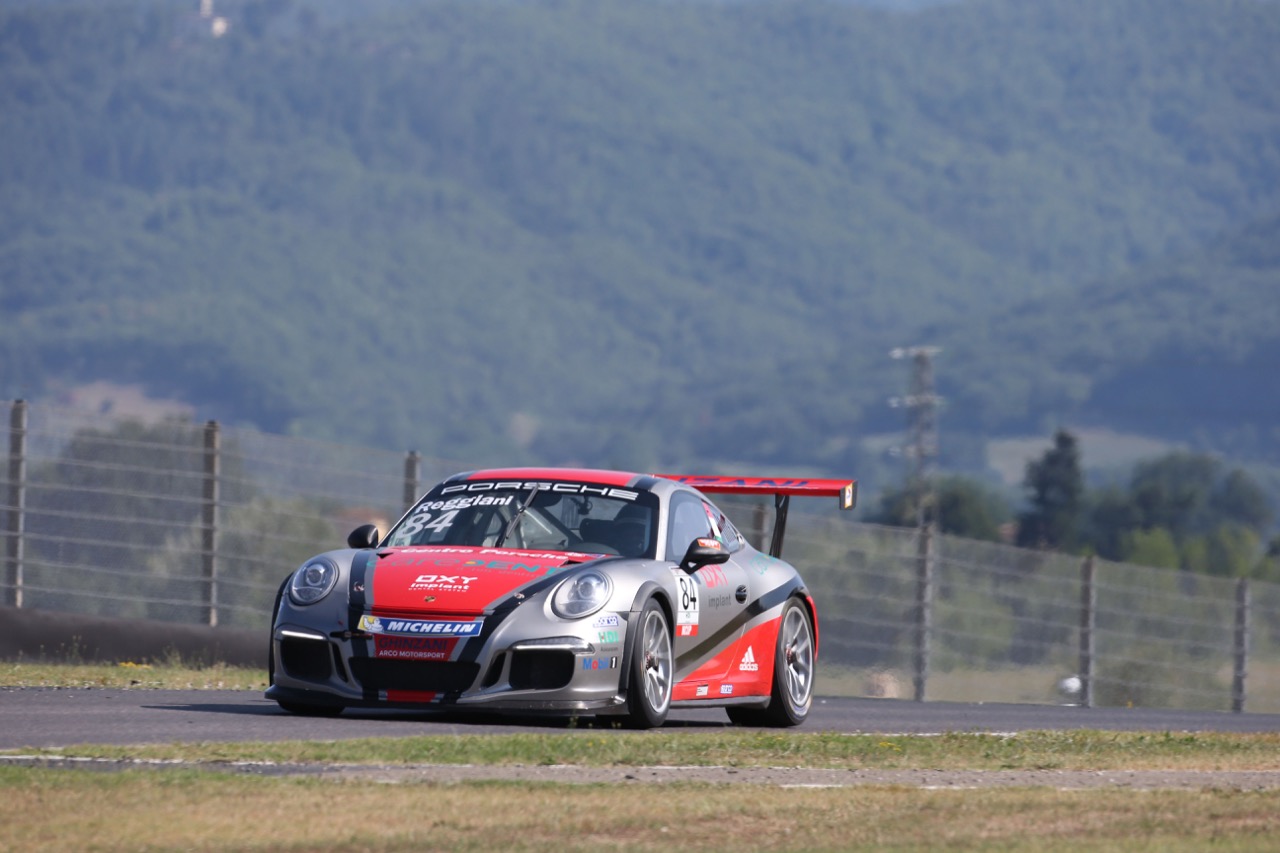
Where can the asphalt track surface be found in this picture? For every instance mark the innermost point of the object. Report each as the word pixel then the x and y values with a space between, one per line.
pixel 64 717
pixel 58 717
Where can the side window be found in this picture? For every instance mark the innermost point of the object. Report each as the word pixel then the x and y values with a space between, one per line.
pixel 689 521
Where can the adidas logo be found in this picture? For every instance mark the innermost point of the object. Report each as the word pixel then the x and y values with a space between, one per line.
pixel 749 662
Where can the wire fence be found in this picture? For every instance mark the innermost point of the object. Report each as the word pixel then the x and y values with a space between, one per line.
pixel 198 523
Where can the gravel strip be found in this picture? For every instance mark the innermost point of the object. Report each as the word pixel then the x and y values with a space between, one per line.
pixel 786 777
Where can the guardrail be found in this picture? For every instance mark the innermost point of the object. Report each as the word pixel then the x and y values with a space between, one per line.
pixel 199 523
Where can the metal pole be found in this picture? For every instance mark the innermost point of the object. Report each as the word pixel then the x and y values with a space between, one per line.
pixel 924 609
pixel 757 526
pixel 1088 623
pixel 412 463
pixel 209 525
pixel 14 544
pixel 1241 646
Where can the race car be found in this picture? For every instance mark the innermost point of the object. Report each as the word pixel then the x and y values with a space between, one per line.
pixel 576 592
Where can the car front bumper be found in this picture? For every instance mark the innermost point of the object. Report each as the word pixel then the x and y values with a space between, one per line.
pixel 520 666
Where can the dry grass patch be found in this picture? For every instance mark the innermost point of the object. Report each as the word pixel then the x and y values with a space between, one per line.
pixel 58 810
pixel 170 674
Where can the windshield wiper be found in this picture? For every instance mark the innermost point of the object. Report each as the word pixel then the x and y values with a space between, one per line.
pixel 515 519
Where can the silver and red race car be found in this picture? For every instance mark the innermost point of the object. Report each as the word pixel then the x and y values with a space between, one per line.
pixel 576 592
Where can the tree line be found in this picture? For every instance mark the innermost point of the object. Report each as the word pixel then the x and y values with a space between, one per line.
pixel 528 210
pixel 1182 510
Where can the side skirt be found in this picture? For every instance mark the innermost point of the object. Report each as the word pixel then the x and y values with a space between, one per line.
pixel 718 702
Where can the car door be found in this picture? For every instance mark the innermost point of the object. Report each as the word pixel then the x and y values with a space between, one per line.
pixel 709 606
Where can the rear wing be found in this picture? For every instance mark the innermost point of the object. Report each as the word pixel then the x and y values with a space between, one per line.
pixel 781 489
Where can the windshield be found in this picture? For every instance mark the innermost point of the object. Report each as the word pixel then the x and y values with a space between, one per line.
pixel 543 516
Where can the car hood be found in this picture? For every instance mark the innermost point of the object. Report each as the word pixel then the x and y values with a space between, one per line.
pixel 458 580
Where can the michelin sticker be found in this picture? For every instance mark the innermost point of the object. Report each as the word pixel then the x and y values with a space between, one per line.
pixel 419 627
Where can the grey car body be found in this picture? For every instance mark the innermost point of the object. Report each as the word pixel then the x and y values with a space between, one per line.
pixel 567 591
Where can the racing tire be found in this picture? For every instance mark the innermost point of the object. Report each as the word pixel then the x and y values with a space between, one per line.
pixel 793 670
pixel 652 670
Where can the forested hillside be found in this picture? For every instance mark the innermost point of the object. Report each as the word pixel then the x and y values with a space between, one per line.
pixel 669 233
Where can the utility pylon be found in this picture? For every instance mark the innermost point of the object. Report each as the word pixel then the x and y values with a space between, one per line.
pixel 921 404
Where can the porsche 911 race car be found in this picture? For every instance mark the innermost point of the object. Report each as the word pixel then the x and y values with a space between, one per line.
pixel 575 592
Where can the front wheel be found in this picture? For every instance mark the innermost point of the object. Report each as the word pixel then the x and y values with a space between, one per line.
pixel 652 670
pixel 794 665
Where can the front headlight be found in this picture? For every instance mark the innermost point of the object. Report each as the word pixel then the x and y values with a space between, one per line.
pixel 312 582
pixel 581 595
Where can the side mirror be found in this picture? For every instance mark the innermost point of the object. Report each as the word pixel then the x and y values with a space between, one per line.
pixel 704 552
pixel 364 536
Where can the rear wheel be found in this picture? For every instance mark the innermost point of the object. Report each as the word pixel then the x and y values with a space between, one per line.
pixel 794 665
pixel 652 670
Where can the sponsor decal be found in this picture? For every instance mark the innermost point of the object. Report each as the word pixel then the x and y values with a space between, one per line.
pixel 740 482
pixel 761 563
pixel 413 648
pixel 712 576
pixel 717 601
pixel 559 488
pixel 600 663
pixel 418 627
pixel 509 566
pixel 442 583
pixel 749 662
pixel 702 690
pixel 608 620
pixel 726 689
pixel 608 636
pixel 534 565
pixel 501 552
pixel 686 630
pixel 465 503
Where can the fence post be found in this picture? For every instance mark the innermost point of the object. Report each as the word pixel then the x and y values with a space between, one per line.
pixel 1241 646
pixel 759 517
pixel 14 544
pixel 209 522
pixel 412 462
pixel 1088 622
pixel 924 609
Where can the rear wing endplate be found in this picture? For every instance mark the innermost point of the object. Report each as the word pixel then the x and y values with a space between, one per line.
pixel 781 489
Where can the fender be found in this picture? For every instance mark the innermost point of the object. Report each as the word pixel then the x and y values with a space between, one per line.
pixel 647 590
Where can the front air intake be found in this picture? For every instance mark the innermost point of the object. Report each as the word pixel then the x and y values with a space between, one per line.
pixel 427 675
pixel 540 669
